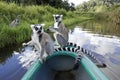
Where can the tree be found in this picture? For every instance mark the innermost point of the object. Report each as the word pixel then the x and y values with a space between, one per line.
pixel 54 3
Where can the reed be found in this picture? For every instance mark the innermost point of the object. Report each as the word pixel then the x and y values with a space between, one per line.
pixel 29 15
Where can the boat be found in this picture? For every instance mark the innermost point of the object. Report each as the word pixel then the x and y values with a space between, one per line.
pixel 58 65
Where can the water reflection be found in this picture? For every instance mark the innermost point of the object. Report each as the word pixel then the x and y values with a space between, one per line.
pixel 27 58
pixel 5 54
pixel 105 47
pixel 102 28
pixel 15 67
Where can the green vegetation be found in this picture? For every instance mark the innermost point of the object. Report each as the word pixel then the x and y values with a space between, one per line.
pixel 41 12
pixel 54 3
pixel 30 15
pixel 102 28
pixel 103 9
pixel 98 5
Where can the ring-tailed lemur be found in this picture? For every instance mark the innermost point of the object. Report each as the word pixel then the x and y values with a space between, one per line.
pixel 41 40
pixel 16 21
pixel 80 52
pixel 61 32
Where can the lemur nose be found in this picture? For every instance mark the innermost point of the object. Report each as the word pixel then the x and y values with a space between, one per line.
pixel 56 17
pixel 39 31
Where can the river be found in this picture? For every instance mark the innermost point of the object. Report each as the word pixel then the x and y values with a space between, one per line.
pixel 102 41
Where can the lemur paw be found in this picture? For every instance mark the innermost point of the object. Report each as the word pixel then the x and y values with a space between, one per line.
pixel 51 28
pixel 24 44
pixel 40 60
pixel 44 59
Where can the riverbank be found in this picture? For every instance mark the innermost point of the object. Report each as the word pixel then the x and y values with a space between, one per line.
pixel 30 15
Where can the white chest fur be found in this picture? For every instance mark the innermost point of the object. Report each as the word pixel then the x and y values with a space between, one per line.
pixel 56 25
pixel 35 40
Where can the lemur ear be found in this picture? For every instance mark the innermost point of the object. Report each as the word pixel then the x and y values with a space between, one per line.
pixel 32 26
pixel 53 15
pixel 61 15
pixel 42 25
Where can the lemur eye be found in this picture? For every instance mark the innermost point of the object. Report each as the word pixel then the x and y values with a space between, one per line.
pixel 40 28
pixel 56 17
pixel 35 28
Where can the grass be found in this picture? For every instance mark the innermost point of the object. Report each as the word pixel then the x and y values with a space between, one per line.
pixel 30 15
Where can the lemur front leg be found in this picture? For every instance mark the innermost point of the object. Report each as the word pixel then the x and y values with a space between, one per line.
pixel 30 43
pixel 42 58
pixel 54 29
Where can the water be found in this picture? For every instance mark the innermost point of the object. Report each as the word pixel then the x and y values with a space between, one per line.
pixel 15 66
pixel 104 48
pixel 103 43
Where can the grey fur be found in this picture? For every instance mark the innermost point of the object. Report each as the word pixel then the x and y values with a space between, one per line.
pixel 41 40
pixel 61 32
pixel 16 21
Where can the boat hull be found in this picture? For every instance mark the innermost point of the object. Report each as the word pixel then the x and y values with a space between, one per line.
pixel 58 65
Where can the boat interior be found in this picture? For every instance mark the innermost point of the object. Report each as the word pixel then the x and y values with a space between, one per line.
pixel 58 68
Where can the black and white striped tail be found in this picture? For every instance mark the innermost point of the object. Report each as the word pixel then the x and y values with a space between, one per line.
pixel 71 49
pixel 80 52
pixel 78 59
pixel 88 53
pixel 75 49
pixel 71 44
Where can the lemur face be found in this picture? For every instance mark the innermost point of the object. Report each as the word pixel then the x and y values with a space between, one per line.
pixel 57 18
pixel 37 28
